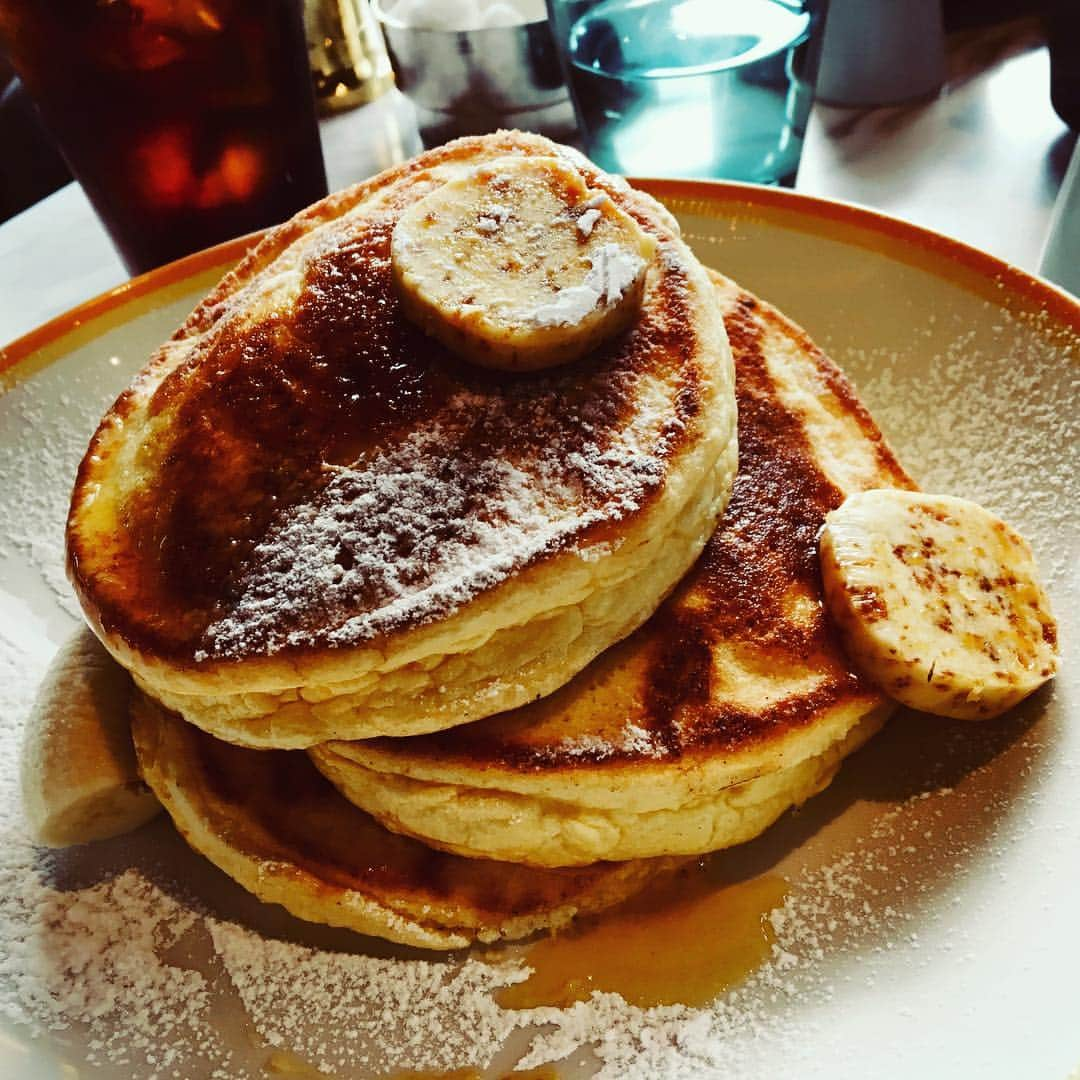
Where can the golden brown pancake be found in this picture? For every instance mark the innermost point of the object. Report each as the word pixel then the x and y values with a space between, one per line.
pixel 306 519
pixel 272 822
pixel 732 703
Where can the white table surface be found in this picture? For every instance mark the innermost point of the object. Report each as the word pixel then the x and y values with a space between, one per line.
pixel 982 162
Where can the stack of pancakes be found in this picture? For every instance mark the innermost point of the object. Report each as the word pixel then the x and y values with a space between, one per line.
pixel 446 654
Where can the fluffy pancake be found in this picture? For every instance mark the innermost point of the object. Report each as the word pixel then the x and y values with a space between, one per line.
pixel 270 821
pixel 308 520
pixel 732 703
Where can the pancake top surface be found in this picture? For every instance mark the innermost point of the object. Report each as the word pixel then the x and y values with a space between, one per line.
pixel 304 468
pixel 742 653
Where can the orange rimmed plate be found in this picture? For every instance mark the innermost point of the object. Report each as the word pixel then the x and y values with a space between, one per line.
pixel 933 886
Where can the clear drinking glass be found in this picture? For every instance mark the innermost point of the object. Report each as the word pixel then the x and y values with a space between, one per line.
pixel 699 88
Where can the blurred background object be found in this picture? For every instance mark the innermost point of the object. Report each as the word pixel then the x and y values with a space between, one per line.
pixel 1060 261
pixel 881 52
pixel 472 66
pixel 186 121
pixel 692 87
pixel 1063 41
pixel 349 65
pixel 981 161
pixel 30 165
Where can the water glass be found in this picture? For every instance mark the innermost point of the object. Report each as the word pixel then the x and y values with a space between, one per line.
pixel 696 88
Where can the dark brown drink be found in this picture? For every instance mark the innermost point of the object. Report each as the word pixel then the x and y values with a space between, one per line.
pixel 186 121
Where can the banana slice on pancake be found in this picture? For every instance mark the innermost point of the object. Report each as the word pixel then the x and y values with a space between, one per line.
pixel 79 777
pixel 519 265
pixel 938 601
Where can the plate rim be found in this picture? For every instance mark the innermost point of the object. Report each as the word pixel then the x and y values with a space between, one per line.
pixel 702 195
pixel 57 329
pixel 1003 276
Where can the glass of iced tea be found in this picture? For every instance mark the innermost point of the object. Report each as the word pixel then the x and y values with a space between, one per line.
pixel 186 121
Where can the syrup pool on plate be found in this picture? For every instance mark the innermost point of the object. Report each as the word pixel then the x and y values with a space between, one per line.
pixel 683 942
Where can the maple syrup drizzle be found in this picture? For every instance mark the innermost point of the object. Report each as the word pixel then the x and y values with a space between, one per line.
pixel 682 942
pixel 286 1063
pixel 453 1074
pixel 544 1072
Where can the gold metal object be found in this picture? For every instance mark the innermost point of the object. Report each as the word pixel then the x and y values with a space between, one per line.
pixel 349 65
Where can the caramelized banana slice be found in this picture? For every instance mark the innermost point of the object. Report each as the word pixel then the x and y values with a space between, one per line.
pixel 519 265
pixel 938 601
pixel 79 777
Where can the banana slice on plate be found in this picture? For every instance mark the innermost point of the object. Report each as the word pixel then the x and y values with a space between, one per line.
pixel 938 601
pixel 79 777
pixel 519 265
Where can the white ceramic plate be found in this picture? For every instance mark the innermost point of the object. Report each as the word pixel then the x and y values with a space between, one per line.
pixel 931 928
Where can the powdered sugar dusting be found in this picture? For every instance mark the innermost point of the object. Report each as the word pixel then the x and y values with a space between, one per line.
pixel 38 460
pixel 103 962
pixel 354 1003
pixel 493 218
pixel 421 529
pixel 91 958
pixel 612 271
pixel 587 221
pixel 631 739
pixel 1012 406
pixel 937 846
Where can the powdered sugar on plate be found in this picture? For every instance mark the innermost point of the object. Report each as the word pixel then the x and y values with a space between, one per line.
pixel 38 458
pixel 358 1011
pixel 931 865
pixel 86 961
pixel 97 965
pixel 978 421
